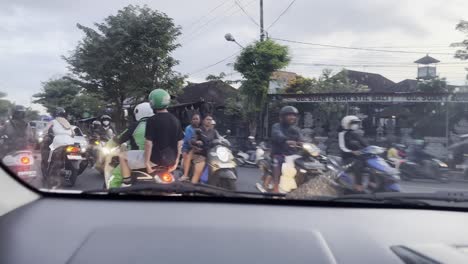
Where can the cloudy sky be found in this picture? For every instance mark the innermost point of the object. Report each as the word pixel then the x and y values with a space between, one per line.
pixel 35 33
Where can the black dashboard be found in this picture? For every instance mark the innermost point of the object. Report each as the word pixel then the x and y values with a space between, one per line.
pixel 57 231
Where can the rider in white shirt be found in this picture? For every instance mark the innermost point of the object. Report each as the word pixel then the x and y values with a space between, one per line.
pixel 61 130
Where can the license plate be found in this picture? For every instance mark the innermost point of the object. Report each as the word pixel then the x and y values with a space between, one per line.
pixel 27 173
pixel 73 157
pixel 225 166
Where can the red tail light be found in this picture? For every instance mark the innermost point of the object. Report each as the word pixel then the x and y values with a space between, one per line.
pixel 167 177
pixel 25 160
pixel 72 149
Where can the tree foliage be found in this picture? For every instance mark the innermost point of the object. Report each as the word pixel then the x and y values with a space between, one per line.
pixel 256 63
pixel 327 82
pixel 462 53
pixel 127 56
pixel 434 85
pixel 213 77
pixel 68 94
pixel 5 105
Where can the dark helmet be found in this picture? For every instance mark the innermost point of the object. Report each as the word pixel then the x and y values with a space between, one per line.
pixel 288 110
pixel 106 117
pixel 60 112
pixel 19 112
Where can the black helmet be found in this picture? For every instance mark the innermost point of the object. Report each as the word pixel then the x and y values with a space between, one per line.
pixel 19 112
pixel 106 117
pixel 60 112
pixel 288 110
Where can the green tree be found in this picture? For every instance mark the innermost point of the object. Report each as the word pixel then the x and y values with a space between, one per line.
pixel 326 83
pixel 462 53
pixel 213 77
pixel 256 63
pixel 68 94
pixel 127 56
pixel 434 85
pixel 5 105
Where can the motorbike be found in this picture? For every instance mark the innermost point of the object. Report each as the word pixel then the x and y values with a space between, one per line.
pixel 434 170
pixel 111 153
pixel 459 155
pixel 244 159
pixel 20 162
pixel 304 166
pixel 220 165
pixel 381 177
pixel 96 155
pixel 66 164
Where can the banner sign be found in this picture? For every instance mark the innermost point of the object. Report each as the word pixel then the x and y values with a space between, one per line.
pixel 375 98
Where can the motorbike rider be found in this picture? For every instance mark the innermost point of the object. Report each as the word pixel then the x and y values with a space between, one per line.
pixel 16 132
pixel 284 138
pixel 163 140
pixel 107 130
pixel 59 134
pixel 251 148
pixel 351 142
pixel 186 147
pixel 135 135
pixel 201 142
pixel 395 154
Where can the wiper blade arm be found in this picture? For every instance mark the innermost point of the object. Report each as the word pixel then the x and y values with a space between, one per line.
pixel 445 196
pixel 181 188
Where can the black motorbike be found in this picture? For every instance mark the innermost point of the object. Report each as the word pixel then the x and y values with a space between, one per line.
pixel 66 164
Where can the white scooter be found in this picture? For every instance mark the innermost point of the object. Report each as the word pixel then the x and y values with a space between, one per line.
pixel 21 163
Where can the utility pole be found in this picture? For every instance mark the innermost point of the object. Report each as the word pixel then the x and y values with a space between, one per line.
pixel 262 30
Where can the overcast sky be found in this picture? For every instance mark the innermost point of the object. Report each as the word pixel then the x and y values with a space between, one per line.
pixel 35 33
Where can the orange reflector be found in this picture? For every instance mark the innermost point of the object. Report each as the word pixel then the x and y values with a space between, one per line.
pixel 72 149
pixel 25 160
pixel 167 177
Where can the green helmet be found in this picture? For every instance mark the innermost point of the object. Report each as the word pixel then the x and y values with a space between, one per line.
pixel 159 99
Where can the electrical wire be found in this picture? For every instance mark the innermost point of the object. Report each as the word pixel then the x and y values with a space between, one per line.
pixel 359 48
pixel 207 14
pixel 246 13
pixel 214 64
pixel 281 15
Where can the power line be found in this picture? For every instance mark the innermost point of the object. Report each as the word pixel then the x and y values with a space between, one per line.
pixel 207 14
pixel 246 13
pixel 196 30
pixel 359 48
pixel 281 15
pixel 214 64
pixel 194 36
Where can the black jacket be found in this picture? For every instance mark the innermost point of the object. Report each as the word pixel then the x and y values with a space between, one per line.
pixel 281 133
pixel 349 141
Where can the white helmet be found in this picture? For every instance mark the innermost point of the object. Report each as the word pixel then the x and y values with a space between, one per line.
pixel 348 121
pixel 143 110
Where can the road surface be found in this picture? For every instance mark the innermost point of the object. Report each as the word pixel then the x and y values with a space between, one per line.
pixel 91 180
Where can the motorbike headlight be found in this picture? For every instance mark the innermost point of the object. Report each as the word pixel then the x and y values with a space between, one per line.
pixel 442 164
pixel 83 149
pixel 311 149
pixel 40 139
pixel 223 154
pixel 106 151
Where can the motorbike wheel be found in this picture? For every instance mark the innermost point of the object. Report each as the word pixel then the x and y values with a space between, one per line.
pixel 227 184
pixel 54 178
pixel 405 176
pixel 70 182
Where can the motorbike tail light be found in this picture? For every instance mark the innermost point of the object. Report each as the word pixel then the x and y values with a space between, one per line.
pixel 72 149
pixel 167 177
pixel 25 160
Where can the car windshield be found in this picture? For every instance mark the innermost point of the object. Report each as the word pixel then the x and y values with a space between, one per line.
pixel 266 99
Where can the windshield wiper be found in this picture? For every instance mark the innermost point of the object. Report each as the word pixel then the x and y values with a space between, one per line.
pixel 402 198
pixel 183 188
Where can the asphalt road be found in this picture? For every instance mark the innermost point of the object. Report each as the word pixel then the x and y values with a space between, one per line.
pixel 91 180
